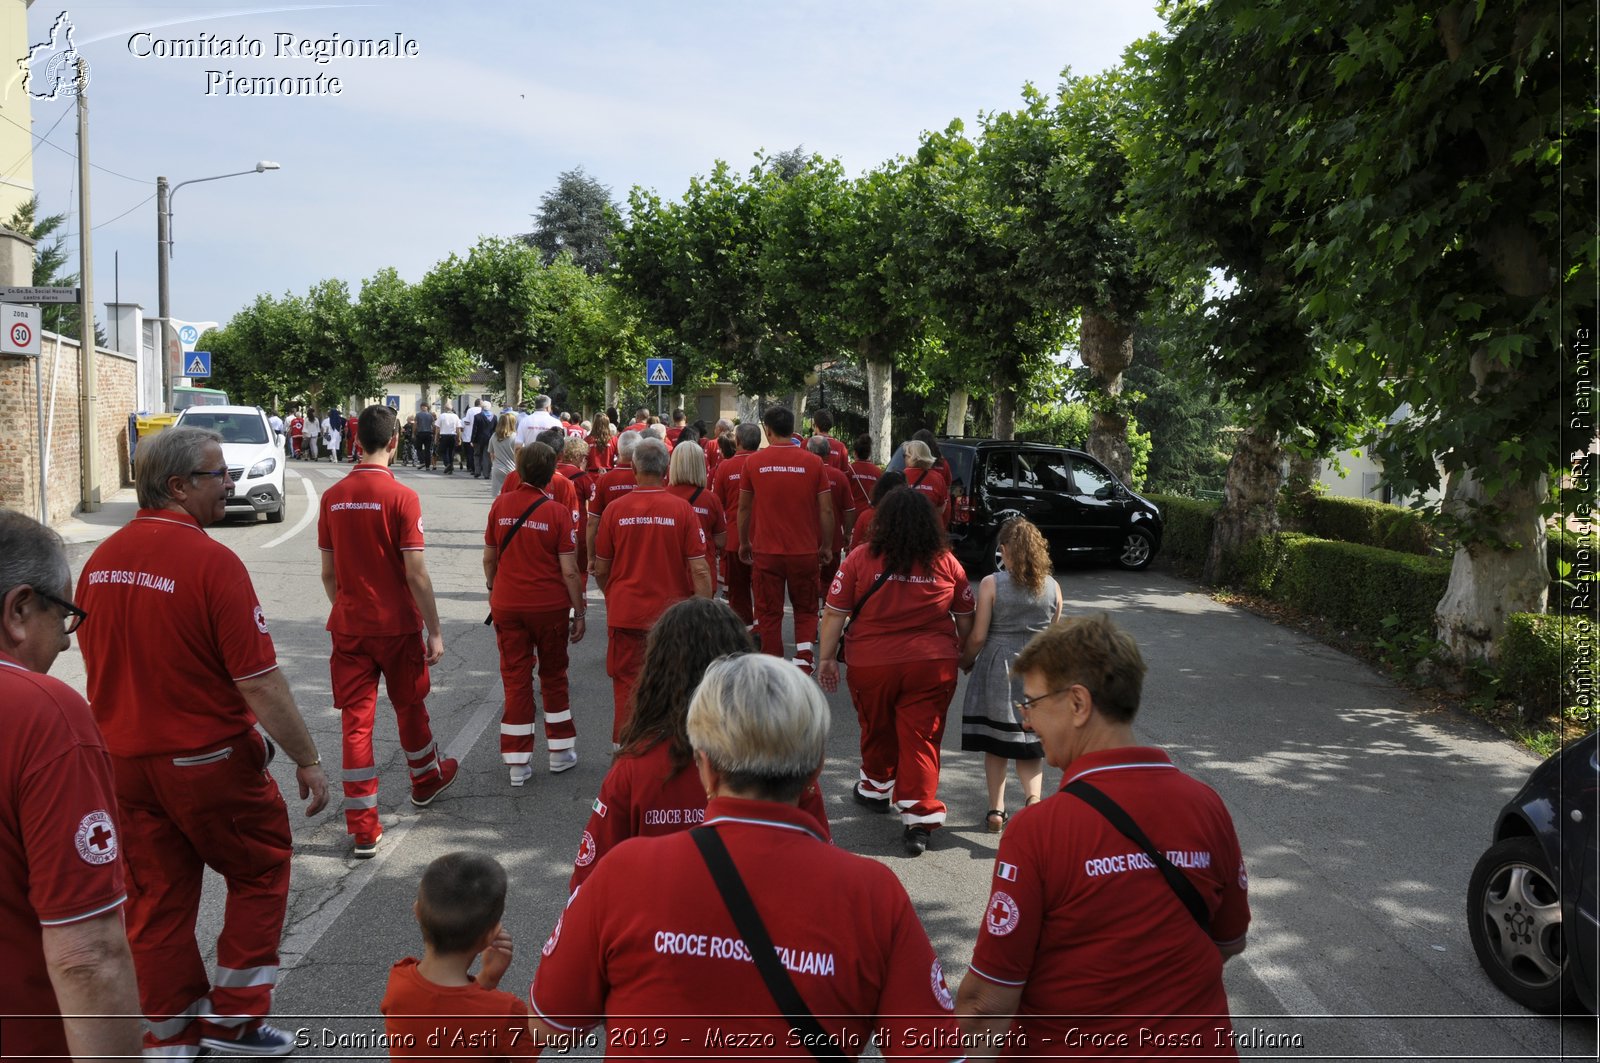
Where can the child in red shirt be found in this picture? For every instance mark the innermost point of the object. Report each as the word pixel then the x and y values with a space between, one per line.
pixel 433 1009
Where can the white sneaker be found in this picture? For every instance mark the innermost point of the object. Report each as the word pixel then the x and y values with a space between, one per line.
pixel 562 760
pixel 521 773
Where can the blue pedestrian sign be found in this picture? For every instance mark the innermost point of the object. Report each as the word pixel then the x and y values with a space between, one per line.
pixel 197 363
pixel 658 372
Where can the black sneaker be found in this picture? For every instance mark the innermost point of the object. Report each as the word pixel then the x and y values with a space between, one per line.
pixel 259 1040
pixel 877 804
pixel 916 839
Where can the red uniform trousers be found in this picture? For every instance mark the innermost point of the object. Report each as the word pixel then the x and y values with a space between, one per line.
pixel 799 574
pixel 736 577
pixel 902 708
pixel 179 814
pixel 624 662
pixel 357 662
pixel 530 639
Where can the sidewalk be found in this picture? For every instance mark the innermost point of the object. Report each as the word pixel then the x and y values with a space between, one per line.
pixel 115 510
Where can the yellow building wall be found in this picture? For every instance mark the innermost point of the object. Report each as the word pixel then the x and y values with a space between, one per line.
pixel 16 136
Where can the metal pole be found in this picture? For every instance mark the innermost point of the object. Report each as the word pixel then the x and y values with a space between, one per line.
pixel 88 434
pixel 163 289
pixel 38 414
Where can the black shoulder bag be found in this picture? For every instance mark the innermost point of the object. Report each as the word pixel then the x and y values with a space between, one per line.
pixel 747 921
pixel 512 534
pixel 1118 818
pixel 876 583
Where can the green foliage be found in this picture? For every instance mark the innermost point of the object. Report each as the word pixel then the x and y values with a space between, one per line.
pixel 1067 425
pixel 1361 520
pixel 394 331
pixel 1547 664
pixel 595 330
pixel 576 218
pixel 1189 441
pixel 492 302
pixel 1347 583
pixel 50 258
pixel 1186 536
pixel 1574 562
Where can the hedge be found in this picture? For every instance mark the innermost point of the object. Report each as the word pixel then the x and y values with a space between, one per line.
pixel 1547 663
pixel 1361 520
pixel 1188 523
pixel 1347 583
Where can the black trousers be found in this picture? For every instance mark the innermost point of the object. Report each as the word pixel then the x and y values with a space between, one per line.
pixel 424 450
pixel 447 452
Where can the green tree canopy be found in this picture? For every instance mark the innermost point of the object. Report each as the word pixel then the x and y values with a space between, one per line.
pixel 579 218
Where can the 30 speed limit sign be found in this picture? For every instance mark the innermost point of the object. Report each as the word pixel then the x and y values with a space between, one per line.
pixel 21 329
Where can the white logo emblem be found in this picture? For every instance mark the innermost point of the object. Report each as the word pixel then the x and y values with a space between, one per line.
pixel 1003 914
pixel 941 992
pixel 555 936
pixel 1244 879
pixel 261 620
pixel 586 850
pixel 50 69
pixel 419 525
pixel 97 838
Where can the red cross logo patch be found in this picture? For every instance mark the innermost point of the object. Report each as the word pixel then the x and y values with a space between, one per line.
pixel 586 850
pixel 1001 919
pixel 97 838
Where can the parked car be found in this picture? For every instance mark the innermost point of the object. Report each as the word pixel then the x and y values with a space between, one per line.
pixel 1531 904
pixel 1078 504
pixel 254 453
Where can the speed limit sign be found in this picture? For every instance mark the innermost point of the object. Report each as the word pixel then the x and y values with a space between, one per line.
pixel 21 329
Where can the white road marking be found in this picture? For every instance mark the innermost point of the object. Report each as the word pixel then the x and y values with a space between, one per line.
pixel 305 518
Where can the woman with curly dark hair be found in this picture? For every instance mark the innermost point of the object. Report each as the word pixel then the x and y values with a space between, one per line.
pixel 909 609
pixel 652 787
pixel 1014 604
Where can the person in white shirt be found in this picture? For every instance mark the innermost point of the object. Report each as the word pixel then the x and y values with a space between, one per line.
pixel 466 441
pixel 449 429
pixel 529 427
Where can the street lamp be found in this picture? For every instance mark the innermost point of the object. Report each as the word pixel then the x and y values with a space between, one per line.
pixel 163 259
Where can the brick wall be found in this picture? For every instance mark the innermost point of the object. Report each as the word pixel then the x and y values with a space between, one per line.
pixel 19 440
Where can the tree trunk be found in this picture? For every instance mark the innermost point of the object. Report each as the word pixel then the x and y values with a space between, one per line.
pixel 425 393
pixel 1488 582
pixel 880 387
pixel 1301 486
pixel 797 403
pixel 1107 348
pixel 610 392
pixel 514 383
pixel 955 421
pixel 1005 412
pixel 1249 501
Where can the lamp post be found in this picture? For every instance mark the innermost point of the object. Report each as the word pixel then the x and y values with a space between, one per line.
pixel 164 196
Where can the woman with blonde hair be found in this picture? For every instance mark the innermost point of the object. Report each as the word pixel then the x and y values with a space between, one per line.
pixel 1014 604
pixel 502 451
pixel 686 478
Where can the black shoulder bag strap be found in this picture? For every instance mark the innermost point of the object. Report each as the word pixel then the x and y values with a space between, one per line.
pixel 747 920
pixel 696 495
pixel 923 475
pixel 878 582
pixel 1118 818
pixel 506 541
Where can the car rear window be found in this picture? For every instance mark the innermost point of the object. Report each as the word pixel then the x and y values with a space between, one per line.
pixel 960 459
pixel 232 427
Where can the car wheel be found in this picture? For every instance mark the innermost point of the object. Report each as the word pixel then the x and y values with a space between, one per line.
pixel 1514 918
pixel 1138 549
pixel 277 515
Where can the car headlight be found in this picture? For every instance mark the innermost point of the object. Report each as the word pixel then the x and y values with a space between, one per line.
pixel 262 468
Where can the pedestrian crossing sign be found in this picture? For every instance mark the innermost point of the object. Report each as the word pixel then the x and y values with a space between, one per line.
pixel 197 363
pixel 658 372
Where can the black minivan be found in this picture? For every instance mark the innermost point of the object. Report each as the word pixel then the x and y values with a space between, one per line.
pixel 1076 502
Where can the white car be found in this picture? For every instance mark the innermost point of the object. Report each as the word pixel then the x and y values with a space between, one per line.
pixel 254 453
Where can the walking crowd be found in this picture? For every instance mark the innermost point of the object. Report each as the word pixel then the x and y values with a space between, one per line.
pixel 1113 904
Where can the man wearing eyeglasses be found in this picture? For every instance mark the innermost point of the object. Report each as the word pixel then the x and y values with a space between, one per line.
pixel 61 882
pixel 180 670
pixel 1115 902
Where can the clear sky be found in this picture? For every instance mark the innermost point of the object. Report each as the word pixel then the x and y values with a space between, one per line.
pixel 418 156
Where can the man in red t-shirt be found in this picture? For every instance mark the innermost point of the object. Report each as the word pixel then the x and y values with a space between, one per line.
pixel 61 884
pixel 864 473
pixel 1083 931
pixel 736 572
pixel 370 534
pixel 536 601
pixel 821 426
pixel 612 485
pixel 650 552
pixel 844 508
pixel 180 669
pixel 782 487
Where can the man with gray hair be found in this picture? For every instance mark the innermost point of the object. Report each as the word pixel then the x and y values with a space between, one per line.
pixel 650 552
pixel 180 671
pixel 529 427
pixel 612 485
pixel 67 969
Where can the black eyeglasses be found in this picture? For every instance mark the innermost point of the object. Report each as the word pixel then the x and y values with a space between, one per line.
pixel 75 616
pixel 218 473
pixel 1027 703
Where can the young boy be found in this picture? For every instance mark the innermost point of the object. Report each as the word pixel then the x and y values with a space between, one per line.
pixel 433 1008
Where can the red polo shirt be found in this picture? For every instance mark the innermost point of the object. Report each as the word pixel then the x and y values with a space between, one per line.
pixel 649 536
pixel 908 619
pixel 862 532
pixel 864 475
pixel 839 487
pixel 784 481
pixel 706 506
pixel 648 945
pixel 369 520
pixel 838 455
pixel 726 484
pixel 174 624
pixel 611 486
pixel 1080 918
pixel 59 858
pixel 528 575
pixel 932 485
pixel 464 1022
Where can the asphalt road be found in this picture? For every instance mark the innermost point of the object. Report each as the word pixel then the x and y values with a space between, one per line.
pixel 1360 811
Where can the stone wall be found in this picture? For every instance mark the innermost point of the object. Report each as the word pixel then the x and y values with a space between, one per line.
pixel 19 442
